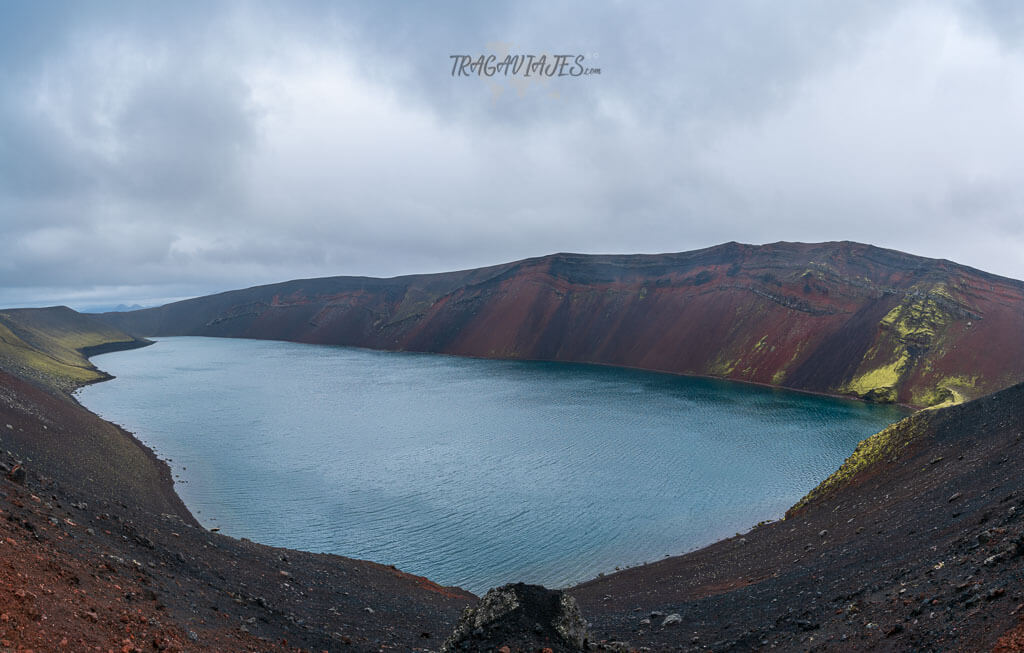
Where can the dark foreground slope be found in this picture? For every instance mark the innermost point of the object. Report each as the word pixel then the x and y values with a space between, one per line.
pixel 919 547
pixel 831 317
pixel 98 551
pixel 41 360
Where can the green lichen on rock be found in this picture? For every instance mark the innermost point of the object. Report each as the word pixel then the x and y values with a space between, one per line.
pixel 879 384
pixel 909 341
pixel 780 374
pixel 722 367
pixel 918 322
pixel 884 445
pixel 949 391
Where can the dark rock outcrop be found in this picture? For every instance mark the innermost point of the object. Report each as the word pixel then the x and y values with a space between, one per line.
pixel 521 618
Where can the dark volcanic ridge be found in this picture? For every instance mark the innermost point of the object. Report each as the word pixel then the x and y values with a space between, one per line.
pixel 836 318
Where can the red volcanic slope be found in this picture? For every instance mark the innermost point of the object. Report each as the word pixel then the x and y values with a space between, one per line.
pixel 840 317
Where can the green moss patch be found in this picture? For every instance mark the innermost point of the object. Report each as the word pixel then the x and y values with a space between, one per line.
pixel 949 391
pixel 879 384
pixel 884 445
pixel 722 367
pixel 45 345
pixel 922 318
pixel 908 342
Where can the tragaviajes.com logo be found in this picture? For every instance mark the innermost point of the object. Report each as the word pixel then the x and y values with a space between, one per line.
pixel 526 65
pixel 502 68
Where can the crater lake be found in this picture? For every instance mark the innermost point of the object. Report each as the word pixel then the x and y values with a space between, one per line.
pixel 470 472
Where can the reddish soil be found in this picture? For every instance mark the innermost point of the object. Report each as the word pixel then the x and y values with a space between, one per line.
pixel 804 316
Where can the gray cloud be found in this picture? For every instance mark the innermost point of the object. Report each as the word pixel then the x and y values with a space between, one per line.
pixel 157 150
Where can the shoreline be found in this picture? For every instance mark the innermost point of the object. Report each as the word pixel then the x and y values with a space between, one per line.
pixel 165 473
pixel 101 553
pixel 862 567
pixel 910 408
pixel 625 563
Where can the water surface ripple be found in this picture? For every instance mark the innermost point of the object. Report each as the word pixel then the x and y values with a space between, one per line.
pixel 470 472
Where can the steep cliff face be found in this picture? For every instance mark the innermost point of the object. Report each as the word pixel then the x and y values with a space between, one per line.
pixel 832 317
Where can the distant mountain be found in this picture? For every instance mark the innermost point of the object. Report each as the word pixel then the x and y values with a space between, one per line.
pixel 120 308
pixel 837 317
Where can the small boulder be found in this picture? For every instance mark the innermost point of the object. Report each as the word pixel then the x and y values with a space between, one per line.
pixel 520 616
pixel 672 620
pixel 17 475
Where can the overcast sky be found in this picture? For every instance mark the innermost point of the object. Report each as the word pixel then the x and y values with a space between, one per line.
pixel 153 151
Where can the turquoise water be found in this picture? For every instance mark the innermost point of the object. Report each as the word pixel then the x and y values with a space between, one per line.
pixel 470 472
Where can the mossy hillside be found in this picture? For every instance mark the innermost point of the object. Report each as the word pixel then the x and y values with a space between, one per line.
pixel 884 445
pixel 752 357
pixel 22 358
pixel 948 391
pixel 45 345
pixel 779 377
pixel 920 321
pixel 879 384
pixel 910 336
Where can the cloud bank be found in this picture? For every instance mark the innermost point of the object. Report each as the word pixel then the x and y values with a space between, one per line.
pixel 154 151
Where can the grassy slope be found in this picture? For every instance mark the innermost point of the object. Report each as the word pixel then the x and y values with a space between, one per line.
pixel 46 345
